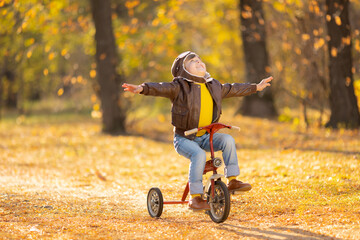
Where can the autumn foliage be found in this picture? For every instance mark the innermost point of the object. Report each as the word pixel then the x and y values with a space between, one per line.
pixel 62 178
pixel 48 47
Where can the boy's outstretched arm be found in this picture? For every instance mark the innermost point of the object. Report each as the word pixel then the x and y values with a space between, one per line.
pixel 132 88
pixel 263 84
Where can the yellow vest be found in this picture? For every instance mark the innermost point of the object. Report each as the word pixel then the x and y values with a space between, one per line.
pixel 206 108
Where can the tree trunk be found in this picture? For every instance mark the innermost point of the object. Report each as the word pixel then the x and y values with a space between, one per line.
pixel 256 58
pixel 343 104
pixel 11 100
pixel 106 59
pixel 1 92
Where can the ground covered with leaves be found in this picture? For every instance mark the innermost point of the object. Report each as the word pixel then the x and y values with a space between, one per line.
pixel 61 178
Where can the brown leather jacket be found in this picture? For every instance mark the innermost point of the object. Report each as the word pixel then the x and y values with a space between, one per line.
pixel 185 97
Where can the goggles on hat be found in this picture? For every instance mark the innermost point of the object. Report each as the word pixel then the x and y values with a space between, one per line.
pixel 182 55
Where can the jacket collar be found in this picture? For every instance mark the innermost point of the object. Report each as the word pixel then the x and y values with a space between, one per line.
pixel 193 81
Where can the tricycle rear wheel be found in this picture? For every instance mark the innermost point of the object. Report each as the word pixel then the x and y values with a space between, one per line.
pixel 155 202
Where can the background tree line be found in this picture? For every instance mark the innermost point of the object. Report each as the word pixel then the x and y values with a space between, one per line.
pixel 61 48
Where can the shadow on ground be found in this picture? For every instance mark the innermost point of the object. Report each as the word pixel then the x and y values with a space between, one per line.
pixel 274 233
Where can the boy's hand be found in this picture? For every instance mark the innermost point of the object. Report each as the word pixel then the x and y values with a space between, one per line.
pixel 132 88
pixel 263 84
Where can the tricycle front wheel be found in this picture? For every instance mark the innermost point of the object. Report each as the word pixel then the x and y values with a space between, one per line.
pixel 220 203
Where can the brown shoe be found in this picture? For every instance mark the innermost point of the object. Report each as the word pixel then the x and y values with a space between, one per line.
pixel 197 203
pixel 236 185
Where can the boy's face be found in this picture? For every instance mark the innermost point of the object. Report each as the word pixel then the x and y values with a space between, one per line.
pixel 195 66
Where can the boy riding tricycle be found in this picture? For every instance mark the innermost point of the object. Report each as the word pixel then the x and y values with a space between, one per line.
pixel 196 103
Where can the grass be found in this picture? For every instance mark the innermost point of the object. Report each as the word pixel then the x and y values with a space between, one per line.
pixel 61 178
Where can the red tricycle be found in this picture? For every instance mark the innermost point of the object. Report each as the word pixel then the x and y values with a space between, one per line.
pixel 215 190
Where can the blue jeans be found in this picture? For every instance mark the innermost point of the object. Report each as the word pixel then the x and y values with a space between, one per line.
pixel 195 151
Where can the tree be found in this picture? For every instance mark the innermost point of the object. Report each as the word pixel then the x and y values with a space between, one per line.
pixel 343 103
pixel 256 58
pixel 106 58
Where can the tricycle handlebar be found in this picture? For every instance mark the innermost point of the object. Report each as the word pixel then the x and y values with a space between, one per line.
pixel 192 131
pixel 235 128
pixel 195 130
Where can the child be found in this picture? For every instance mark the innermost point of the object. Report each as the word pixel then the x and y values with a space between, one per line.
pixel 196 102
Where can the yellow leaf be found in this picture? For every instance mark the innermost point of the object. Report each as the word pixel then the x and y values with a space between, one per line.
pixel 28 54
pixel 286 46
pixel 279 66
pixel 24 25
pixel 346 40
pixel 29 42
pixel 319 43
pixel 64 52
pixel 328 17
pixel 279 6
pixel 79 79
pixel 305 37
pixel 338 20
pixel 46 72
pixel 122 45
pixel 357 45
pixel 93 73
pixel 261 21
pixel 134 21
pixel 60 92
pixel 247 8
pixel 334 51
pixel 311 8
pixel 51 56
pixel 246 14
pixel 317 10
pixel 155 22
pixel 96 107
pixel 257 36
pixel 357 86
pixel 132 4
pixel 73 80
pixel 134 30
pixel 296 121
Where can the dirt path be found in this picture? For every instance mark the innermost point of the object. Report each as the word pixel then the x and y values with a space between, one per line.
pixel 114 210
pixel 70 182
